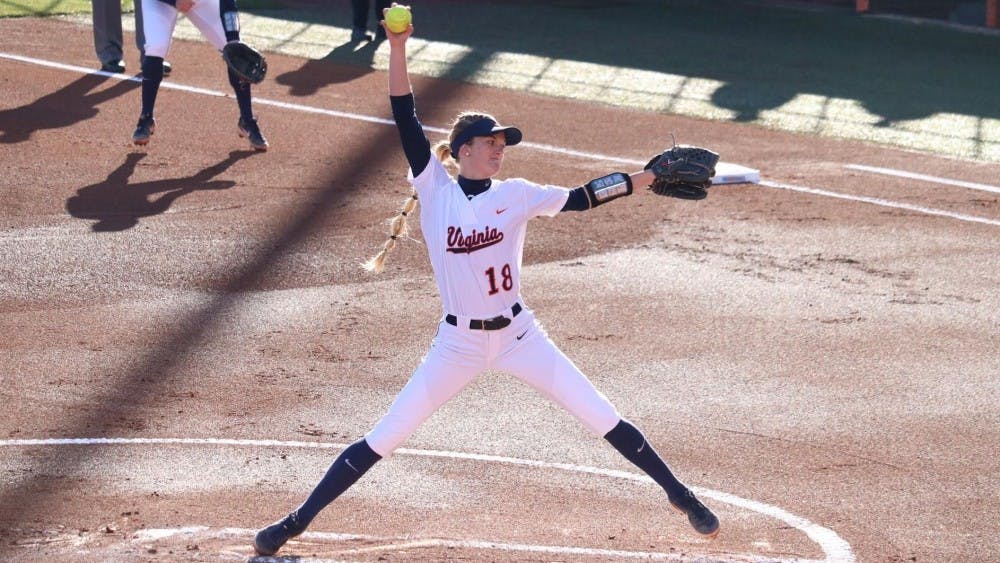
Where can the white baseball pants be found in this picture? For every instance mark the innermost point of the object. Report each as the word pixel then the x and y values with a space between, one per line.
pixel 160 18
pixel 458 355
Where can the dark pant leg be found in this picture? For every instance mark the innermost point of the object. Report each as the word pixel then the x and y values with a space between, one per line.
pixel 359 15
pixel 107 17
pixel 379 6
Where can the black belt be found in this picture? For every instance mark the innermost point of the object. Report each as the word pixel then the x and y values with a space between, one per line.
pixel 496 323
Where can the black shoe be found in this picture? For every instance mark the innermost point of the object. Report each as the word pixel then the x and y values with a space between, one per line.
pixel 269 540
pixel 700 517
pixel 250 129
pixel 144 129
pixel 113 66
pixel 379 33
pixel 359 34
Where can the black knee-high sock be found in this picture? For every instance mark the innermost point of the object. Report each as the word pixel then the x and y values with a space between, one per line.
pixel 152 75
pixel 630 442
pixel 242 91
pixel 349 466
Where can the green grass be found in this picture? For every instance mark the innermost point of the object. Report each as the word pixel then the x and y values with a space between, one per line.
pixel 20 8
pixel 37 8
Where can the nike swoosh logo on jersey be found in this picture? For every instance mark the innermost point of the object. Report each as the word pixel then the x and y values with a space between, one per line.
pixel 522 335
pixel 499 211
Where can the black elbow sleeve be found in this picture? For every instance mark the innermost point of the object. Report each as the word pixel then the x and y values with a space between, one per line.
pixel 578 200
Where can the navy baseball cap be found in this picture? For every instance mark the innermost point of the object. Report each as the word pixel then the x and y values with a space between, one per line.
pixel 485 127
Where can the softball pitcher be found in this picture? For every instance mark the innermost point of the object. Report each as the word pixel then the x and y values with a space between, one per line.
pixel 474 226
pixel 219 23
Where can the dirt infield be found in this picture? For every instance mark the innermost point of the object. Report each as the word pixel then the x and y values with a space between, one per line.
pixel 189 338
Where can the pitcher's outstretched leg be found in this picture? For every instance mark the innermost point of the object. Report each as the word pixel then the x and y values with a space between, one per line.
pixel 631 443
pixel 349 466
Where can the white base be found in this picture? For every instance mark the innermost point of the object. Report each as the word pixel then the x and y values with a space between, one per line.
pixel 729 173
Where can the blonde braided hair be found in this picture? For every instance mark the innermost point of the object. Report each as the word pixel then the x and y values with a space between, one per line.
pixel 397 229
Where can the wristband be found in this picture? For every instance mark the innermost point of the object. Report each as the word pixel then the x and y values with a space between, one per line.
pixel 606 188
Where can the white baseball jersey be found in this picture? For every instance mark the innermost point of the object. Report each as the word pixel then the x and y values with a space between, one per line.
pixel 476 245
pixel 475 249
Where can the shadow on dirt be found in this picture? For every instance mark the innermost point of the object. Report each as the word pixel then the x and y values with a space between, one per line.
pixel 345 63
pixel 142 380
pixel 62 108
pixel 117 205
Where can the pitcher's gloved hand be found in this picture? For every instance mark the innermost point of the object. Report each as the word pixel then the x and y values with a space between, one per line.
pixel 683 171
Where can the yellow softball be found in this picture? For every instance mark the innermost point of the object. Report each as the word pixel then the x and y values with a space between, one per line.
pixel 397 19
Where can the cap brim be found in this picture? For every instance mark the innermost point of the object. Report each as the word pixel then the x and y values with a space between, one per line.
pixel 486 128
pixel 512 135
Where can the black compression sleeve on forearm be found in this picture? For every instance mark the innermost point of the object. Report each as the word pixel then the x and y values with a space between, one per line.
pixel 578 200
pixel 415 144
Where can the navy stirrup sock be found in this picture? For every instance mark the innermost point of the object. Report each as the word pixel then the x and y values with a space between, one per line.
pixel 349 466
pixel 242 91
pixel 630 442
pixel 152 75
